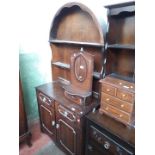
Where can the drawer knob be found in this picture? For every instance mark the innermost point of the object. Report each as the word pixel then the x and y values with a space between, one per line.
pixel 120 115
pixel 108 90
pixel 44 99
pixel 122 105
pixel 123 95
pixel 53 123
pixel 107 145
pixel 106 108
pixel 57 126
pixel 107 99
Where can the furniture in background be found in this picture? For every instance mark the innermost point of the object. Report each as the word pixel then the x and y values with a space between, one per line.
pixel 24 133
pixel 117 87
pixel 106 136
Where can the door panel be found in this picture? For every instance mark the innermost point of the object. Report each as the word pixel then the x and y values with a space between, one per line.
pixel 48 120
pixel 67 136
pixel 66 133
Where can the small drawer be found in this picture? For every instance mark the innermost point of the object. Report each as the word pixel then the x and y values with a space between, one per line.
pixel 122 105
pixel 67 114
pixel 126 96
pixel 116 113
pixel 46 100
pixel 109 89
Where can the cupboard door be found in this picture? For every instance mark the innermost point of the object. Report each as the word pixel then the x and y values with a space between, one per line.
pixel 48 121
pixel 66 132
pixel 66 136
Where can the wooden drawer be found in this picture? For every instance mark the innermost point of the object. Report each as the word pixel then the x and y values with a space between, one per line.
pixel 109 89
pixel 46 100
pixel 122 105
pixel 115 113
pixel 66 113
pixel 124 95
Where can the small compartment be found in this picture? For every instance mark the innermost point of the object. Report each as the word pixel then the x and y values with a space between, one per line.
pixel 126 96
pixel 121 64
pixel 122 105
pixel 109 89
pixel 46 100
pixel 116 113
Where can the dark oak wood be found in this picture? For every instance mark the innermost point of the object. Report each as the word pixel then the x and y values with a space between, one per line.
pixel 69 33
pixel 24 133
pixel 68 131
pixel 105 136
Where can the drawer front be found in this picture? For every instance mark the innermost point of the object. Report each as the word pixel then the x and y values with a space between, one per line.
pixel 122 105
pixel 126 96
pixel 108 89
pixel 116 113
pixel 46 100
pixel 108 145
pixel 66 113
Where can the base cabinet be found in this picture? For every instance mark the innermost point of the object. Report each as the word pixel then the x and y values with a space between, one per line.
pixel 61 119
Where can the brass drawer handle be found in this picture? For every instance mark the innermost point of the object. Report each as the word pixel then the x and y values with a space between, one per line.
pixel 120 115
pixel 123 95
pixel 106 108
pixel 107 99
pixel 107 90
pixel 122 105
pixel 107 145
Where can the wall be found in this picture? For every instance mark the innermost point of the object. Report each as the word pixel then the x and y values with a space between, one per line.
pixel 34 51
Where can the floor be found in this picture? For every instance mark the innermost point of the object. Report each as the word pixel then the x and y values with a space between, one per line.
pixel 41 144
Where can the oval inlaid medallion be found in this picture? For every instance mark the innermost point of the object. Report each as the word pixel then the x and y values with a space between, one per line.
pixel 80 68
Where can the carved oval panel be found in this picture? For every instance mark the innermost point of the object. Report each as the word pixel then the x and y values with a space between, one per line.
pixel 80 68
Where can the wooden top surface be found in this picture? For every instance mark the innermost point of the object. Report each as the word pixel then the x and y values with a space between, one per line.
pixel 125 133
pixel 56 92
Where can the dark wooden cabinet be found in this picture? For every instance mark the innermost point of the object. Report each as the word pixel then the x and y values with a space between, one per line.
pixel 66 129
pixel 61 119
pixel 47 115
pixel 106 136
pixel 24 133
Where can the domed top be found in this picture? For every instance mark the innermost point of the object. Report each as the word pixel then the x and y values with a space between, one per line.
pixel 76 22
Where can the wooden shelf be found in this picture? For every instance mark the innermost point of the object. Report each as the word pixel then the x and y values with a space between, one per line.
pixel 96 75
pixel 61 65
pixel 55 41
pixel 121 46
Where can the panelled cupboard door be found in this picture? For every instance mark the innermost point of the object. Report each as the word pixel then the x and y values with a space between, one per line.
pixel 48 120
pixel 66 134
